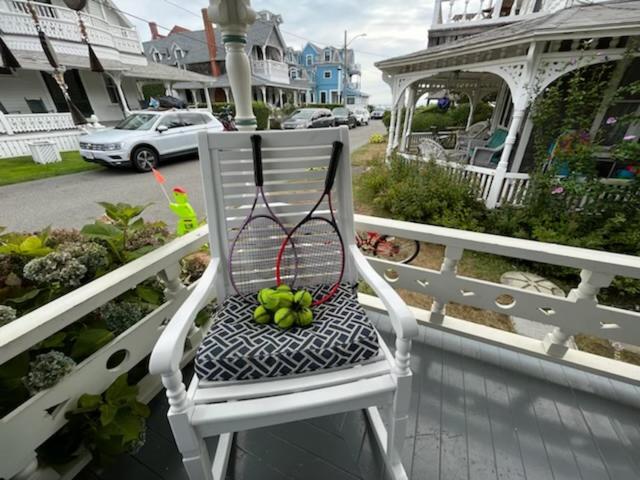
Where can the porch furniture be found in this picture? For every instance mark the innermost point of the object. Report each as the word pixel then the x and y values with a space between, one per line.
pixel 432 150
pixel 234 389
pixel 36 105
pixel 489 154
pixel 475 136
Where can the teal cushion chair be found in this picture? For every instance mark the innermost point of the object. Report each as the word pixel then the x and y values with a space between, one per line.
pixel 489 155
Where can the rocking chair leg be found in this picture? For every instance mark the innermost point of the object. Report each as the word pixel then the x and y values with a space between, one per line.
pixel 221 460
pixel 197 463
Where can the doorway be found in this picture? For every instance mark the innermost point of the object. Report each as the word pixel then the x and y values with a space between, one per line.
pixel 76 91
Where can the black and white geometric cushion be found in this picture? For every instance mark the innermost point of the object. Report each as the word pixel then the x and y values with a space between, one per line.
pixel 237 348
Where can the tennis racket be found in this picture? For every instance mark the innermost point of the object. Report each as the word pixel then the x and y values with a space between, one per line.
pixel 318 244
pixel 259 239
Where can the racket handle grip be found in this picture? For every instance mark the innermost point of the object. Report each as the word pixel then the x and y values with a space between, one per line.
pixel 256 145
pixel 336 152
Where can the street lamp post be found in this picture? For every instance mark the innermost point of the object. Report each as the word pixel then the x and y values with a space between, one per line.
pixel 345 65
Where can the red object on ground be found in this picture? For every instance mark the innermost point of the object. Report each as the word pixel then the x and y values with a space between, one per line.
pixel 179 190
pixel 158 176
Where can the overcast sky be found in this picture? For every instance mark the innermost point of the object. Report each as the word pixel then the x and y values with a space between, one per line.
pixel 393 27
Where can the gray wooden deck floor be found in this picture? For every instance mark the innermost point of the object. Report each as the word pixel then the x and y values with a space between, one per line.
pixel 469 420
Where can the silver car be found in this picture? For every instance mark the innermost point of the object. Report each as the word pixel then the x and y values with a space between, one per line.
pixel 144 138
pixel 309 118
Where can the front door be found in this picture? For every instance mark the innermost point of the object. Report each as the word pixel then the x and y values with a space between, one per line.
pixel 76 92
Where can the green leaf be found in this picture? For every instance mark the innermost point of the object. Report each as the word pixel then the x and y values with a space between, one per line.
pixel 140 409
pixel 54 341
pixel 15 368
pixel 130 426
pixel 102 230
pixel 149 294
pixel 120 393
pixel 89 402
pixel 25 297
pixel 89 341
pixel 107 413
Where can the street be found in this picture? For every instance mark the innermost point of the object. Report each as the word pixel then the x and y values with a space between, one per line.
pixel 70 201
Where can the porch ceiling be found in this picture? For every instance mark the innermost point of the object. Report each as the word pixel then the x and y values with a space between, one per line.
pixel 614 18
pixel 467 82
pixel 30 60
pixel 222 81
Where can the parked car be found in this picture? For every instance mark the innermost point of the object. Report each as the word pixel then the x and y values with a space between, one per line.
pixel 344 116
pixel 144 138
pixel 362 116
pixel 377 114
pixel 309 118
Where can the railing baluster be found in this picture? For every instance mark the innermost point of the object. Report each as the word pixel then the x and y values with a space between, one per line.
pixel 452 256
pixel 585 297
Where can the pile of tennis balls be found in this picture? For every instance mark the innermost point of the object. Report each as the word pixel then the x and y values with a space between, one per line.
pixel 284 307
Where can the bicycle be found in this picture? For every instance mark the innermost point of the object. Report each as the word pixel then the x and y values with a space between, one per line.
pixel 387 247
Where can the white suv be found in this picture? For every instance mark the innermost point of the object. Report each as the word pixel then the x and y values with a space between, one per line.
pixel 362 116
pixel 144 137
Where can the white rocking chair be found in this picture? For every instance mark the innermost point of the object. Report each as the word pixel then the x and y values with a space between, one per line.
pixel 294 169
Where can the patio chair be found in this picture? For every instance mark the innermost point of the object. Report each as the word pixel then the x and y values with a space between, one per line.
pixel 250 376
pixel 475 136
pixel 432 150
pixel 489 154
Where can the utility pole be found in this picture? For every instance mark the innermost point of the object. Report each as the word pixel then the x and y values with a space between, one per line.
pixel 345 66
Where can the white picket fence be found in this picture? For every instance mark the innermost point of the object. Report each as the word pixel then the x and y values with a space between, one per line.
pixel 28 426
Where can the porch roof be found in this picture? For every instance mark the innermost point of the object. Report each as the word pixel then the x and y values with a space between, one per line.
pixel 222 81
pixel 30 60
pixel 582 21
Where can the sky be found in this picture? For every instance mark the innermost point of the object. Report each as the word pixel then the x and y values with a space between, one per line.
pixel 392 27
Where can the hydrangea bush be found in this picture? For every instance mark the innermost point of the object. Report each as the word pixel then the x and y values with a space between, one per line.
pixel 47 370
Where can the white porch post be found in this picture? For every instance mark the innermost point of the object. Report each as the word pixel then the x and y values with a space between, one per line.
pixel 234 18
pixel 194 95
pixel 263 90
pixel 295 98
pixel 498 110
pixel 167 88
pixel 522 144
pixel 117 80
pixel 396 132
pixel 308 98
pixel 520 103
pixel 226 94
pixel 281 97
pixel 473 99
pixel 207 97
pixel 392 131
pixel 407 118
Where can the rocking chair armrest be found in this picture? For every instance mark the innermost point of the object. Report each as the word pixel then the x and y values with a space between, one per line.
pixel 402 320
pixel 169 349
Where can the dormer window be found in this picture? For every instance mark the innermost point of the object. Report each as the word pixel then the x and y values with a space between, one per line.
pixel 294 74
pixel 178 53
pixel 155 54
pixel 327 55
pixel 309 60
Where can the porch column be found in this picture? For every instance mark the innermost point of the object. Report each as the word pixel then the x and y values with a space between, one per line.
pixel 226 95
pixel 281 97
pixel 522 144
pixel 233 19
pixel 392 131
pixel 407 115
pixel 497 111
pixel 194 94
pixel 295 98
pixel 208 98
pixel 263 90
pixel 307 97
pixel 412 111
pixel 117 80
pixel 167 88
pixel 396 132
pixel 473 99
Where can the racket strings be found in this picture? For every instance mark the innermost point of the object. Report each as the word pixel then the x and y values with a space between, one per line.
pixel 254 253
pixel 319 259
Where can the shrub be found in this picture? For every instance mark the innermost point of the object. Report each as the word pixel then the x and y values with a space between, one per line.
pixel 376 138
pixel 153 90
pixel 262 112
pixel 47 370
pixel 57 268
pixel 420 192
pixel 93 256
pixel 7 315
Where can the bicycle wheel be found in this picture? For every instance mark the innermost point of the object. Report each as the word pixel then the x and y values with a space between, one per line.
pixel 395 249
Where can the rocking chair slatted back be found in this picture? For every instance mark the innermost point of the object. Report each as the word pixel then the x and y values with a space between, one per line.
pixel 295 166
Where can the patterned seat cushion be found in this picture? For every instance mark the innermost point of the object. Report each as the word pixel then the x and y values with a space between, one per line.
pixel 237 348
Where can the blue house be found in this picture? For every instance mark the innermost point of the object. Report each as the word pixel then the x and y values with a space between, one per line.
pixel 323 66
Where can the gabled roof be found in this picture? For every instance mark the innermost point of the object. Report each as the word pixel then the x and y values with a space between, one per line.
pixel 194 43
pixel 576 21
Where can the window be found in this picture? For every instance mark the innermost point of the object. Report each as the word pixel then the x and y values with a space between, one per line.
pixel 323 97
pixel 112 90
pixel 156 56
pixel 309 60
pixel 294 73
pixel 191 119
pixel 351 100
pixel 327 74
pixel 170 121
pixel 327 55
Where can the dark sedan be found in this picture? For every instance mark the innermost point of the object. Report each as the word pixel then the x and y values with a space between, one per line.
pixel 344 116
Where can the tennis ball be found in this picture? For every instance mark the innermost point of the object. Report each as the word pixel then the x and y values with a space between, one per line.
pixel 261 315
pixel 283 288
pixel 268 299
pixel 305 317
pixel 285 318
pixel 303 298
pixel 285 299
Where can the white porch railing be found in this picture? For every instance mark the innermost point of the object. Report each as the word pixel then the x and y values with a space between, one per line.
pixel 272 70
pixel 60 23
pixel 38 122
pixel 459 11
pixel 41 416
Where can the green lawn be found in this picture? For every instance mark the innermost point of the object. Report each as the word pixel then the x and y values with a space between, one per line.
pixel 23 169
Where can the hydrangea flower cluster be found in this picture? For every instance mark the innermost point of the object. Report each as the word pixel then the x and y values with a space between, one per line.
pixel 92 255
pixel 56 267
pixel 47 370
pixel 60 236
pixel 149 235
pixel 120 316
pixel 7 315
